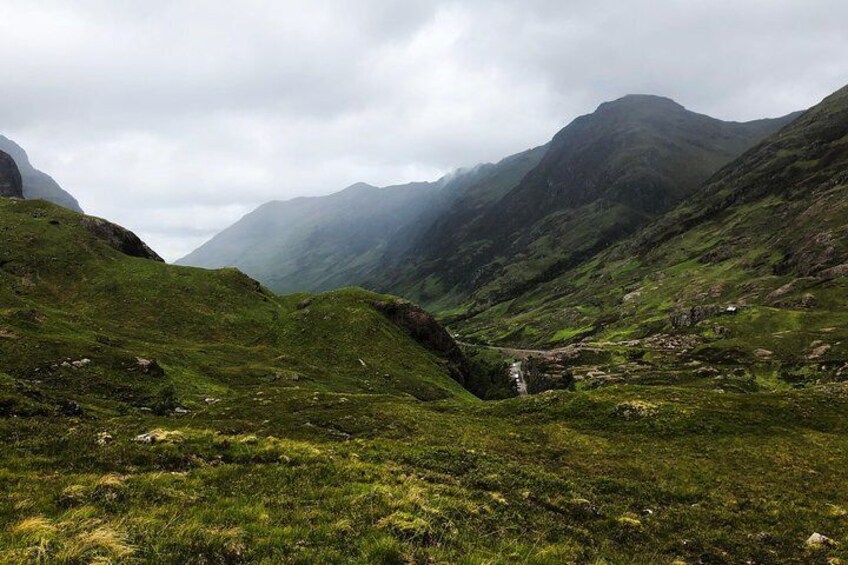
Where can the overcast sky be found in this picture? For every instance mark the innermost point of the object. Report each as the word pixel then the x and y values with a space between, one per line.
pixel 176 118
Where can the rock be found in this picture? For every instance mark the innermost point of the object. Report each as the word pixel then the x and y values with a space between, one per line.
pixel 818 541
pixel 763 353
pixel 119 238
pixel 818 351
pixel 688 317
pixel 104 438
pixel 159 436
pixel 633 409
pixel 721 332
pixel 70 408
pixel 303 304
pixel 631 295
pixel 180 410
pixel 210 400
pixel 838 272
pixel 81 363
pixel 149 367
pixel 11 184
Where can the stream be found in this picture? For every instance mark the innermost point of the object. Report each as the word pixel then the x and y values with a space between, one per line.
pixel 516 375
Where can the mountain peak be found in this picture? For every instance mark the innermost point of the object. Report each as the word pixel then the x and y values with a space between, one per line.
pixel 359 186
pixel 640 102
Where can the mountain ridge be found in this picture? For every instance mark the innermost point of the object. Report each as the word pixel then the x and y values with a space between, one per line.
pixel 447 251
pixel 37 184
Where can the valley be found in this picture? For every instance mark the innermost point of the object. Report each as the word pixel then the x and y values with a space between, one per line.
pixel 653 372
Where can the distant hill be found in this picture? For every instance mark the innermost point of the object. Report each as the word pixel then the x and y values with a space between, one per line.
pixel 36 184
pixel 318 243
pixel 353 236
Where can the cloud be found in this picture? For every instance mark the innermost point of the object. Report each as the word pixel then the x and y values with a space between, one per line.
pixel 175 118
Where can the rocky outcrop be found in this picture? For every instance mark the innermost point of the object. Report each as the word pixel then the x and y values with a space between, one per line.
pixel 120 238
pixel 423 328
pixel 10 177
pixel 688 317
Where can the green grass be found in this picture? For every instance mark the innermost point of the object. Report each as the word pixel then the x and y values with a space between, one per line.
pixel 331 437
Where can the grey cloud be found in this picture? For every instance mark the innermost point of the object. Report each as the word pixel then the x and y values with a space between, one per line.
pixel 175 118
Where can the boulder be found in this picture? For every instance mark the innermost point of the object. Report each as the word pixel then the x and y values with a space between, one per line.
pixel 818 541
pixel 149 367
pixel 104 438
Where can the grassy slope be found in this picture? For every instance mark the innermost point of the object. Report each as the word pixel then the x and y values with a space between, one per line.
pixel 341 465
pixel 763 235
pixel 65 294
pixel 604 176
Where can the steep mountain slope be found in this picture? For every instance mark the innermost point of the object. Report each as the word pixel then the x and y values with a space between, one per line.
pixel 37 185
pixel 603 176
pixel 351 237
pixel 318 243
pixel 10 177
pixel 766 235
pixel 491 232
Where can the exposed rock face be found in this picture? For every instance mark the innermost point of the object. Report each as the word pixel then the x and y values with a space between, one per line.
pixel 691 316
pixel 120 238
pixel 424 329
pixel 10 177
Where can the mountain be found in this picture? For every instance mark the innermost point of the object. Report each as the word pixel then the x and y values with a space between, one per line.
pixel 602 177
pixel 751 268
pixel 152 413
pixel 487 233
pixel 322 243
pixel 10 177
pixel 37 185
pixel 318 243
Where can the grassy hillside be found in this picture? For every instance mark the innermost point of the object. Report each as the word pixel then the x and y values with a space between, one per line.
pixel 312 429
pixel 601 178
pixel 766 235
pixel 66 294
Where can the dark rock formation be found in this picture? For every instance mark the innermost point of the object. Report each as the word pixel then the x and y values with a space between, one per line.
pixel 690 316
pixel 423 328
pixel 120 238
pixel 10 177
